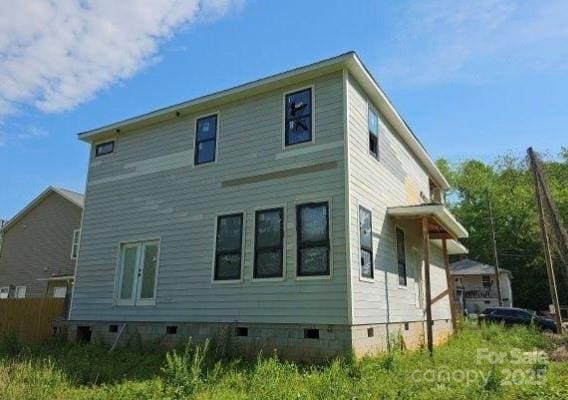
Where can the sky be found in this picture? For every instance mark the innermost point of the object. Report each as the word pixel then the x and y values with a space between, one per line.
pixel 474 79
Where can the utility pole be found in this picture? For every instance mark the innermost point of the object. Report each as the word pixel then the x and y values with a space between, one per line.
pixel 495 254
pixel 545 241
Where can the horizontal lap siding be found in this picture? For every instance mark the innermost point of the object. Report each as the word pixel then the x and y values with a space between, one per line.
pixel 38 246
pixel 377 185
pixel 179 205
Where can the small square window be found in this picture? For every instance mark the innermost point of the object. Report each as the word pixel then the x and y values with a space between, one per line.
pixel 370 332
pixel 298 112
pixel 171 330
pixel 113 328
pixel 102 149
pixel 205 139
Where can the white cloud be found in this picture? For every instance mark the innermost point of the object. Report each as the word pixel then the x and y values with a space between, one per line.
pixel 449 40
pixel 57 54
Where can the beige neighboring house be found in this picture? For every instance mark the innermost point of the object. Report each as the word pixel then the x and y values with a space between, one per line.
pixel 40 245
pixel 475 285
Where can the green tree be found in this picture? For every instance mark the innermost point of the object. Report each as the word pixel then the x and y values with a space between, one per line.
pixel 508 183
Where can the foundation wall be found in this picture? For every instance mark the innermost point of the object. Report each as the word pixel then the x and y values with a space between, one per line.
pixel 296 342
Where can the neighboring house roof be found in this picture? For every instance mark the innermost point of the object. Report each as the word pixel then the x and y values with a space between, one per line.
pixel 472 267
pixel 76 198
pixel 349 61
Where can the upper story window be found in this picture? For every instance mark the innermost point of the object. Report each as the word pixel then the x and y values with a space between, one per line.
pixel 366 242
pixel 138 272
pixel 401 256
pixel 75 244
pixel 373 132
pixel 104 148
pixel 298 114
pixel 313 239
pixel 205 139
pixel 269 243
pixel 229 247
pixel 486 281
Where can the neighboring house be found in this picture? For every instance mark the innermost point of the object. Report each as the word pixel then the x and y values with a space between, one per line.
pixel 475 285
pixel 289 209
pixel 39 246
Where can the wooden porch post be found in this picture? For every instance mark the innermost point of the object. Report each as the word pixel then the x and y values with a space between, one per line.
pixel 451 292
pixel 426 249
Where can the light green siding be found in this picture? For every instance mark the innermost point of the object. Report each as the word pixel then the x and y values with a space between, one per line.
pixel 395 179
pixel 149 189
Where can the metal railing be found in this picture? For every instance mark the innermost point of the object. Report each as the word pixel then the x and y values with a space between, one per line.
pixel 479 292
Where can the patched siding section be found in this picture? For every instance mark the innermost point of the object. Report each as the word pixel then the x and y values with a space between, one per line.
pixel 397 178
pixel 38 246
pixel 148 188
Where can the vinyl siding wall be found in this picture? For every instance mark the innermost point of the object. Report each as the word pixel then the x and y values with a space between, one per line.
pixel 39 246
pixel 397 178
pixel 148 188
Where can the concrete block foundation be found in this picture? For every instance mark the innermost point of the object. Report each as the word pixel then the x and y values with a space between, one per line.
pixel 297 342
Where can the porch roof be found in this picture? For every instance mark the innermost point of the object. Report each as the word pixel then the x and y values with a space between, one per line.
pixel 442 224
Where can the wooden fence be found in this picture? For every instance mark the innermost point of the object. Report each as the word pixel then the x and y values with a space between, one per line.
pixel 30 319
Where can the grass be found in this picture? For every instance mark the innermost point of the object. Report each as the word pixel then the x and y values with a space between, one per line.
pixel 58 370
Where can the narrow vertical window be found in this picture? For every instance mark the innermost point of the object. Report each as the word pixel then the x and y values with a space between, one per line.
pixel 138 273
pixel 75 244
pixel 313 239
pixel 373 132
pixel 269 243
pixel 205 139
pixel 366 243
pixel 228 247
pixel 298 119
pixel 401 257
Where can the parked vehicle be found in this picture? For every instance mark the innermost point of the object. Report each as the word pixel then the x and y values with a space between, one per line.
pixel 519 316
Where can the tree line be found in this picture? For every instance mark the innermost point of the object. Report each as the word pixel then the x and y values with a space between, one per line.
pixel 508 182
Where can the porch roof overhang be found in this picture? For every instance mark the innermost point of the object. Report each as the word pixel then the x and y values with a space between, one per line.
pixel 442 224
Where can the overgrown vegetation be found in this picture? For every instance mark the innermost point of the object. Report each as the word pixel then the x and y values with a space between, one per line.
pixel 59 370
pixel 510 185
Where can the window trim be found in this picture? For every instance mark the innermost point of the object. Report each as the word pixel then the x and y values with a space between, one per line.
pixel 16 291
pixel 76 232
pixel 400 286
pixel 370 107
pixel 136 301
pixel 360 248
pixel 102 142
pixel 243 249
pixel 269 279
pixel 217 130
pixel 313 117
pixel 297 205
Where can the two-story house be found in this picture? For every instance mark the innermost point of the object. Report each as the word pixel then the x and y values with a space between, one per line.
pixel 39 246
pixel 475 285
pixel 299 211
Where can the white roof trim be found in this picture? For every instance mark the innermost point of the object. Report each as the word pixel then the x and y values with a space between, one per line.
pixel 349 61
pixel 35 202
pixel 454 247
pixel 442 214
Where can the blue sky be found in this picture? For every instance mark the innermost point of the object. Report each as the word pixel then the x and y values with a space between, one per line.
pixel 473 79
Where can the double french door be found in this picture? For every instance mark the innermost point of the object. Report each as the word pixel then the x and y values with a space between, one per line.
pixel 138 273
